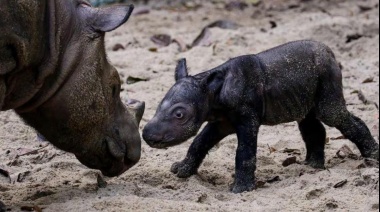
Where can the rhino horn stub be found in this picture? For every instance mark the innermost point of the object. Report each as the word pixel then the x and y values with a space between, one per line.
pixel 106 19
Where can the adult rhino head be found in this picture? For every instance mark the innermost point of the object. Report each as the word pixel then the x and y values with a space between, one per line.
pixel 54 73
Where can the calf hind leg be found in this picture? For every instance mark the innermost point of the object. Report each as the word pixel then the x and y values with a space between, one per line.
pixel 354 129
pixel 332 110
pixel 314 134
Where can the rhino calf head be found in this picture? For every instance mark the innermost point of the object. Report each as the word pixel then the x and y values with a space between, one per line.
pixel 72 97
pixel 181 113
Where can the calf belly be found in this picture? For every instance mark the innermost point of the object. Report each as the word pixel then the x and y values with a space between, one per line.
pixel 288 107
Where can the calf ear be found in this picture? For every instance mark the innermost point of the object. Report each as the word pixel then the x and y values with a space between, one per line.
pixel 109 18
pixel 181 70
pixel 214 82
pixel 225 86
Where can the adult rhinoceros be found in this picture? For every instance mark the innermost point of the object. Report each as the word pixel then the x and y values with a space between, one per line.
pixel 54 73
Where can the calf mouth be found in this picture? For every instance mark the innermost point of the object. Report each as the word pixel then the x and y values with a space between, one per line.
pixel 163 143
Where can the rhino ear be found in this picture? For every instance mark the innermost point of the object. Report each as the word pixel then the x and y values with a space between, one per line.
pixel 181 70
pixel 109 18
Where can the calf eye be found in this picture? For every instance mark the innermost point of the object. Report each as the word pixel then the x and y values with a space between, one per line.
pixel 179 115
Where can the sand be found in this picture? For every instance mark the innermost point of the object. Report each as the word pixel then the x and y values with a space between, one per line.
pixel 56 181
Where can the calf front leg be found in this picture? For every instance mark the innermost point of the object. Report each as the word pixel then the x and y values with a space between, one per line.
pixel 247 132
pixel 211 135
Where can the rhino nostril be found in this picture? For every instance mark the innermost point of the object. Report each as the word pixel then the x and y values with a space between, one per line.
pixel 115 149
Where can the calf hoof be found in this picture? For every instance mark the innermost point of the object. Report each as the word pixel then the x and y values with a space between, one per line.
pixel 238 188
pixel 183 169
pixel 315 162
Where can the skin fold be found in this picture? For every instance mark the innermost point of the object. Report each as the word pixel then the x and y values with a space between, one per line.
pixel 299 81
pixel 55 74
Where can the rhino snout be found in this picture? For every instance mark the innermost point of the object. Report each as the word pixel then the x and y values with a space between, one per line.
pixel 125 152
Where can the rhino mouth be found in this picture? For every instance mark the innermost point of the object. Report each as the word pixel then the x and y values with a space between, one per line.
pixel 121 163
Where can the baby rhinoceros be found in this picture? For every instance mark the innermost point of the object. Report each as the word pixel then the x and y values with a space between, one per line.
pixel 299 81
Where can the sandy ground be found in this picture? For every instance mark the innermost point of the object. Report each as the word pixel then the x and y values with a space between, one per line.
pixel 56 181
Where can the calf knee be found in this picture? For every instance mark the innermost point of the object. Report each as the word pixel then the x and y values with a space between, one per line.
pixel 334 116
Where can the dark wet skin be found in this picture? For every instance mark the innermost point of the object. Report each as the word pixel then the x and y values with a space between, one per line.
pixel 299 81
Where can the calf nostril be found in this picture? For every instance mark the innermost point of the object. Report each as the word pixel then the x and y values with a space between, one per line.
pixel 151 137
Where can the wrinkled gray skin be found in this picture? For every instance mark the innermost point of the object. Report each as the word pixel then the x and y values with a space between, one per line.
pixel 54 73
pixel 299 81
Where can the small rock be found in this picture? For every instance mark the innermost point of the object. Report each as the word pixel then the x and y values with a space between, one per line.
pixel 289 161
pixel 369 80
pixel 359 183
pixel 202 198
pixel 332 205
pixel 260 184
pixel 117 47
pixel 31 208
pixel 162 40
pixel 273 24
pixel 314 194
pixel 344 152
pixel 365 8
pixel 353 37
pixel 341 184
pixel 292 151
